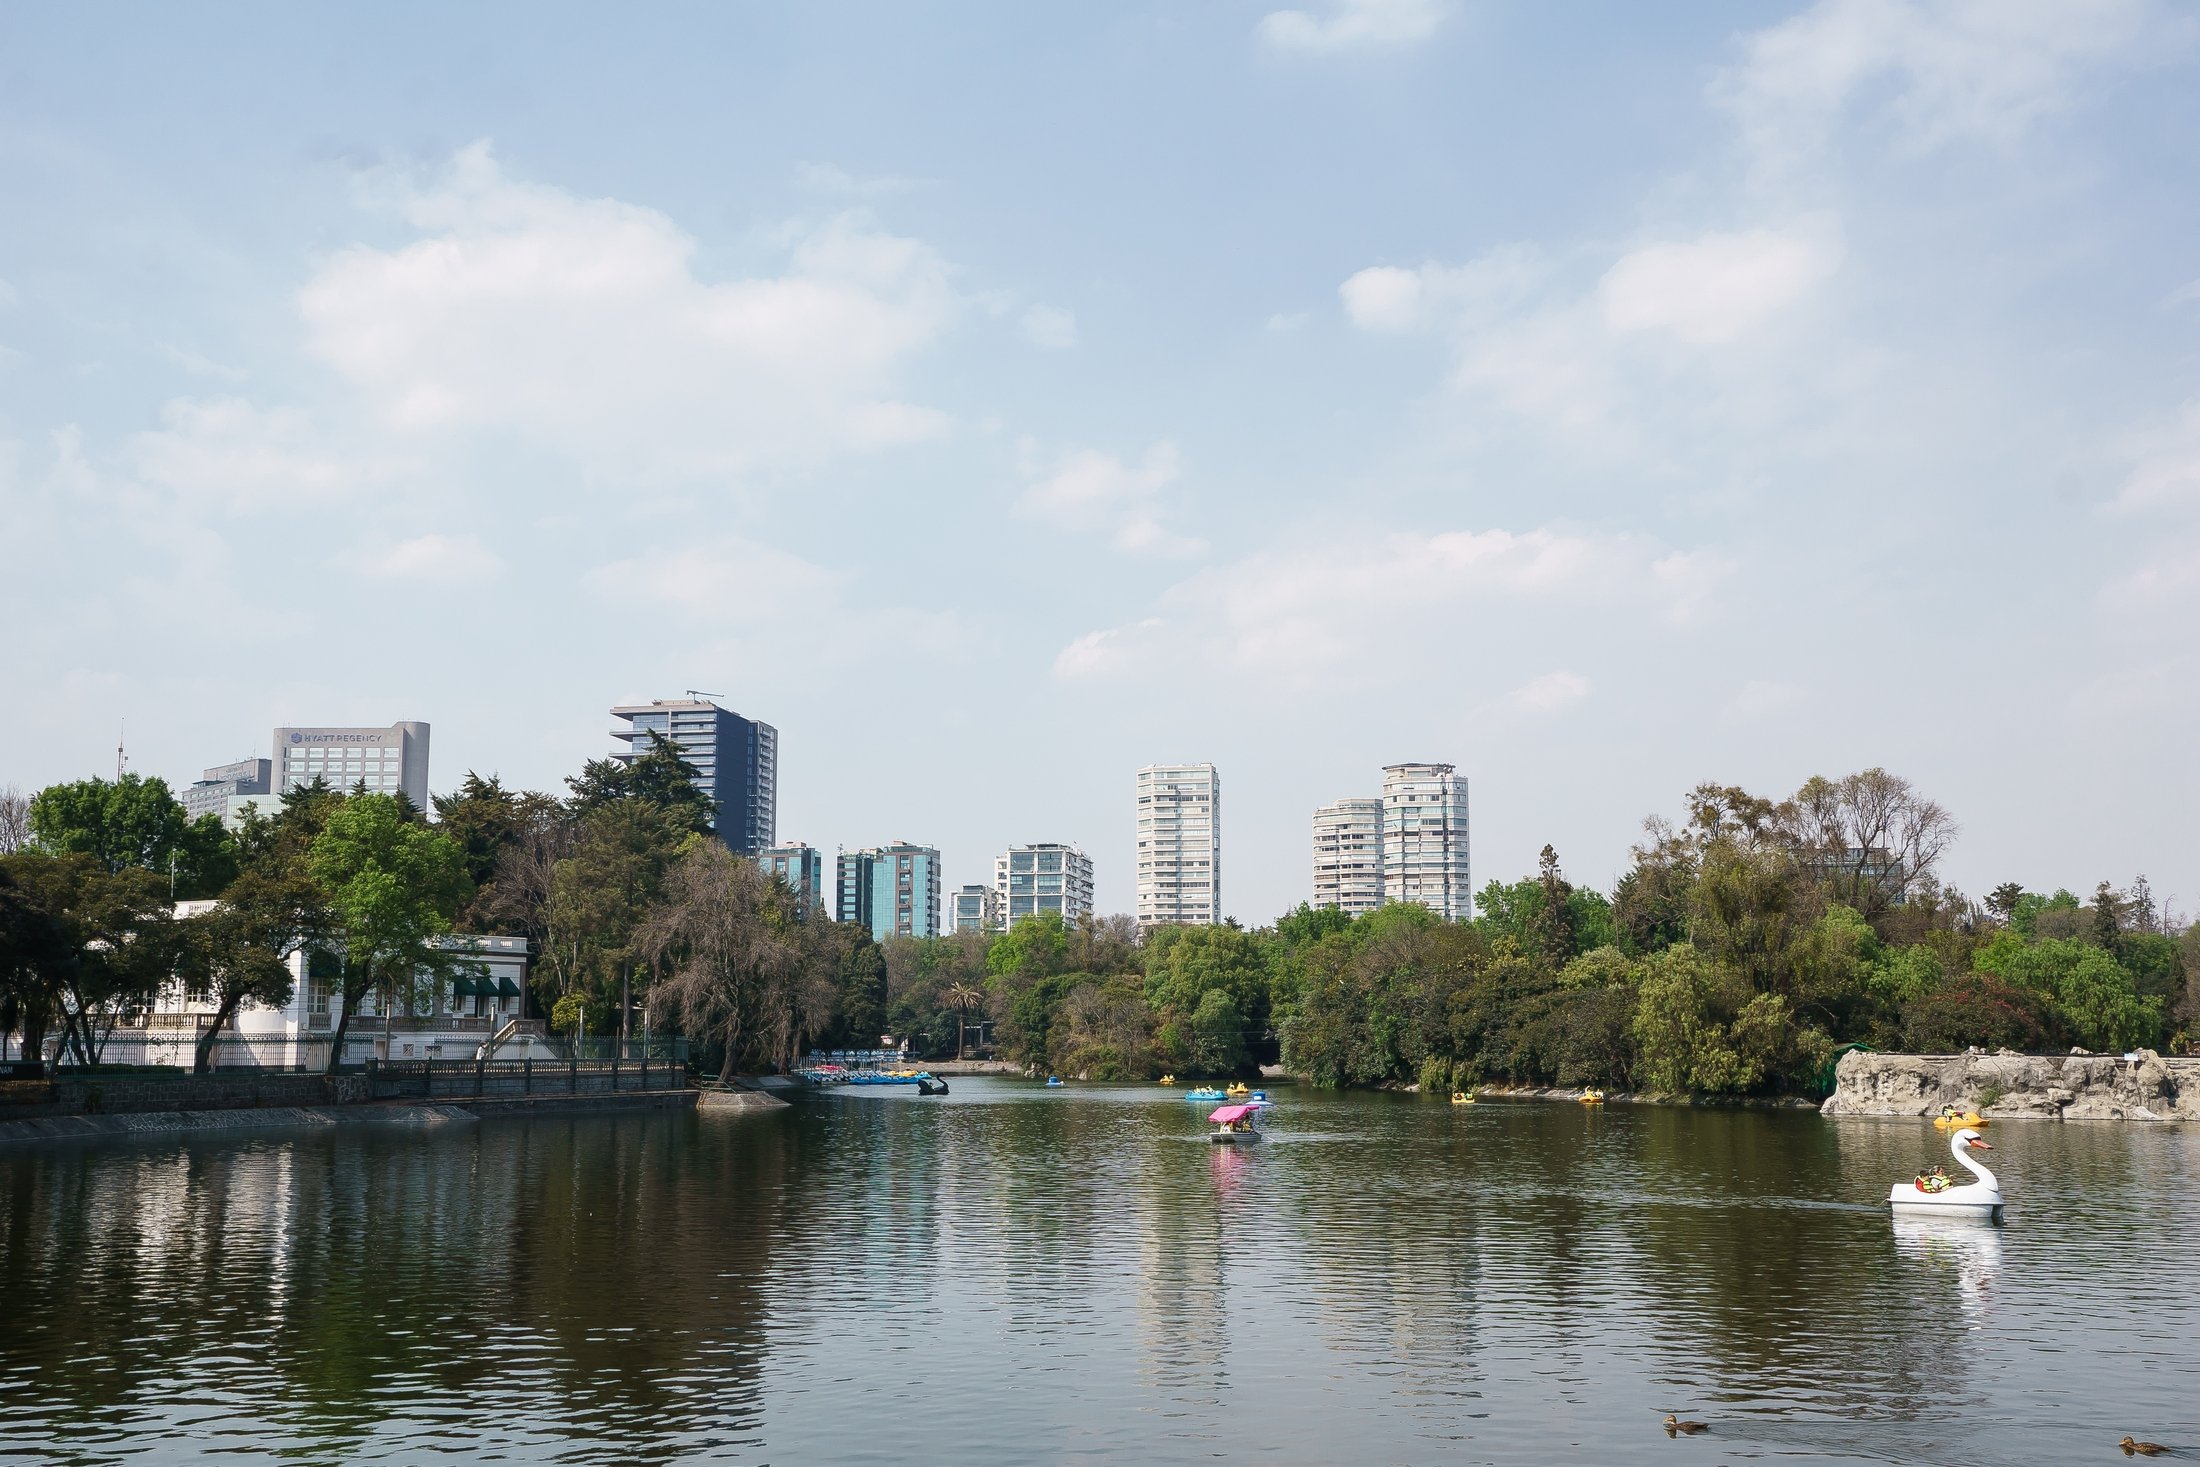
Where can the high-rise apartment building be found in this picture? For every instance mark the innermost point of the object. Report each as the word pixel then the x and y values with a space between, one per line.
pixel 387 761
pixel 801 867
pixel 210 794
pixel 736 762
pixel 1425 839
pixel 974 909
pixel 1179 844
pixel 1043 878
pixel 893 890
pixel 1348 856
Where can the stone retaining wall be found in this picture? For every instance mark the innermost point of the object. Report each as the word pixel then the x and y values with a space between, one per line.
pixel 2076 1086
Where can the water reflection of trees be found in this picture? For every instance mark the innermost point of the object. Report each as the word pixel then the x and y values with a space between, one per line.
pixel 347 1285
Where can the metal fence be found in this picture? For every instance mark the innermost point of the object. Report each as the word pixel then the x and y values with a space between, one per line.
pixel 490 1079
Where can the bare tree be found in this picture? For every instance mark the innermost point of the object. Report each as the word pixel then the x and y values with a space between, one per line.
pixel 1872 838
pixel 15 820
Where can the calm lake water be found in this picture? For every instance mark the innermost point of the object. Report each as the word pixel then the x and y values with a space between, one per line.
pixel 1016 1275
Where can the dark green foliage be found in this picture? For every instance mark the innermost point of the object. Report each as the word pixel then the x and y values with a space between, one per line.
pixel 658 776
pixel 1979 1009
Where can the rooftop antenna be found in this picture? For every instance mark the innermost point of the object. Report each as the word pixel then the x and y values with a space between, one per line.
pixel 696 693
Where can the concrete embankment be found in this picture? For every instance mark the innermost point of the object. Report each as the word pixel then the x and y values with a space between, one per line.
pixel 128 1103
pixel 2011 1086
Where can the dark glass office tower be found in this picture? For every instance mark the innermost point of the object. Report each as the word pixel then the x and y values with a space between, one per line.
pixel 736 761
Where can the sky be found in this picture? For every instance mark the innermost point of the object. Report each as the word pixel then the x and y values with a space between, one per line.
pixel 999 397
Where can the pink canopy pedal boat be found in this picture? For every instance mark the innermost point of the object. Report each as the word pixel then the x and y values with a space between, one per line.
pixel 1234 1125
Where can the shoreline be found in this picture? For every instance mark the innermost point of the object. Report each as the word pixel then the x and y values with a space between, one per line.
pixel 393 1114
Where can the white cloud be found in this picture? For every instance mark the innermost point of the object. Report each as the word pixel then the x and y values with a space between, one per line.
pixel 1283 321
pixel 582 324
pixel 1050 327
pixel 1086 489
pixel 1103 653
pixel 202 366
pixel 1941 69
pixel 1548 693
pixel 2166 465
pixel 830 179
pixel 1385 298
pixel 1576 360
pixel 1347 25
pixel 727 579
pixel 437 559
pixel 1361 604
pixel 1763 698
pixel 747 605
pixel 230 451
pixel 1394 298
pixel 1714 289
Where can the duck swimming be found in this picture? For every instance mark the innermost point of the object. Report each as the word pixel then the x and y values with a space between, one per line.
pixel 2141 1449
pixel 1674 1426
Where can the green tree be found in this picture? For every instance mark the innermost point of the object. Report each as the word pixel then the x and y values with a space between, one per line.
pixel 238 952
pixel 392 886
pixel 1184 964
pixel 1218 1034
pixel 100 942
pixel 134 821
pixel 1036 947
pixel 1683 1024
pixel 658 776
pixel 602 894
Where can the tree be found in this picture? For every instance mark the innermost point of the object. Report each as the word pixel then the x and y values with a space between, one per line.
pixel 134 821
pixel 1978 1009
pixel 722 933
pixel 963 996
pixel 238 952
pixel 658 776
pixel 1218 1034
pixel 1871 838
pixel 392 886
pixel 1184 964
pixel 2108 926
pixel 601 895
pixel 99 944
pixel 1683 1025
pixel 489 821
pixel 2002 900
pixel 15 820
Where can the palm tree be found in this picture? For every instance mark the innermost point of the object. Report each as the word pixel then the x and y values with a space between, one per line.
pixel 964 997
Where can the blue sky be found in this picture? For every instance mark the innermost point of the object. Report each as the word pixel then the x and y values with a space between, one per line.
pixel 999 398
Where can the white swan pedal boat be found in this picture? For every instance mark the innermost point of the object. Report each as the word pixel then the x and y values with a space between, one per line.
pixel 1980 1198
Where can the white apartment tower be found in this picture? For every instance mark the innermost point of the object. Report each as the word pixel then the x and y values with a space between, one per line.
pixel 1028 880
pixel 1179 844
pixel 1425 839
pixel 1348 856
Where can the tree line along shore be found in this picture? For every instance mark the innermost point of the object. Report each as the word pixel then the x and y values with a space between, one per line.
pixel 1748 941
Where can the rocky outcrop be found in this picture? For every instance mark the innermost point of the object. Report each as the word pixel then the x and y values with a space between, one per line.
pixel 2076 1087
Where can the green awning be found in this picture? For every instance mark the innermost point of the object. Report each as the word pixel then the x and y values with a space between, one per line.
pixel 462 988
pixel 508 988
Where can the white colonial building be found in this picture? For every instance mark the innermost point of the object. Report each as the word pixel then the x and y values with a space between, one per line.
pixel 437 1020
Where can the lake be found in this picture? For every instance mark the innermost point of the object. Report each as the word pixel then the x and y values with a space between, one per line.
pixel 1011 1274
